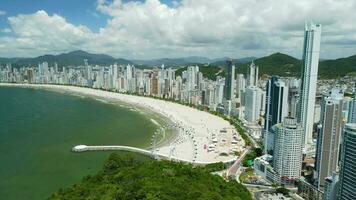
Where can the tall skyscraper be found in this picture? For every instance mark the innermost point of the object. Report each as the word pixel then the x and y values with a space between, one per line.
pixel 276 108
pixel 331 187
pixel 287 157
pixel 229 81
pixel 253 100
pixel 240 86
pixel 329 133
pixel 252 75
pixel 347 163
pixel 309 77
pixel 352 108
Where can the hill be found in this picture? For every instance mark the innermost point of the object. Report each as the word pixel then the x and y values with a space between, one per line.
pixel 209 71
pixel 74 58
pixel 285 65
pixel 127 178
pixel 274 64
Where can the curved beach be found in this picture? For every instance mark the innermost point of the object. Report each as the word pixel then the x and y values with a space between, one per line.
pixel 202 137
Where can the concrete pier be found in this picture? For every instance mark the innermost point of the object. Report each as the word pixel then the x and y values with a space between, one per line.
pixel 84 148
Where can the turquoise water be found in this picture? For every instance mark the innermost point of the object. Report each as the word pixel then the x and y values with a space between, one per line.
pixel 38 128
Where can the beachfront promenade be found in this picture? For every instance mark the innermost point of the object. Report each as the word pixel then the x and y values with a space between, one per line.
pixel 156 155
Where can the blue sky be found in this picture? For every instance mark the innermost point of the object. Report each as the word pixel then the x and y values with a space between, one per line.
pixel 145 29
pixel 76 11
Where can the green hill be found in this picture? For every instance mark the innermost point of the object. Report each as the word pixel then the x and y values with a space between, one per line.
pixel 74 58
pixel 127 178
pixel 275 64
pixel 285 65
pixel 337 68
pixel 209 71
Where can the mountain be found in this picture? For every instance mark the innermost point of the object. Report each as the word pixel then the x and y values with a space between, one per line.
pixel 284 65
pixel 74 58
pixel 161 61
pixel 222 61
pixel 189 61
pixel 338 67
pixel 274 64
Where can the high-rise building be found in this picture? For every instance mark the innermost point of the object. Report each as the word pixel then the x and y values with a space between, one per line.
pixel 309 77
pixel 229 92
pixel 276 108
pixel 253 102
pixel 331 187
pixel 347 163
pixel 329 133
pixel 287 157
pixel 352 109
pixel 252 75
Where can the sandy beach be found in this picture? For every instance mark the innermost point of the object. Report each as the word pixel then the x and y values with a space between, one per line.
pixel 197 129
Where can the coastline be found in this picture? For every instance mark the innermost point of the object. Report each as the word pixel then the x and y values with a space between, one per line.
pixel 198 124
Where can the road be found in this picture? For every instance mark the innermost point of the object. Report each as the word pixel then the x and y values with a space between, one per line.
pixel 237 164
pixel 234 167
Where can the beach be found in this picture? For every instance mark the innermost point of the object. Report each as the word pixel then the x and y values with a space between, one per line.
pixel 201 137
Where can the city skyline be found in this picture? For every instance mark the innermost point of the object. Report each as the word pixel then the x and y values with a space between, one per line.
pixel 154 29
pixel 192 73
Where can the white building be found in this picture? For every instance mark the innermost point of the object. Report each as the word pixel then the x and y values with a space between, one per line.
pixel 252 75
pixel 309 77
pixel 287 157
pixel 329 134
pixel 253 102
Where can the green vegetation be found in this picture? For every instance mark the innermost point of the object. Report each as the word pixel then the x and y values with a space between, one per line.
pixel 246 174
pixel 285 65
pixel 208 71
pixel 255 152
pixel 216 167
pixel 275 64
pixel 128 178
pixel 283 190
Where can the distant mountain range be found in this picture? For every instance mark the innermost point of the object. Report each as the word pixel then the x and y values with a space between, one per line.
pixel 274 64
pixel 285 65
pixel 76 58
pixel 189 60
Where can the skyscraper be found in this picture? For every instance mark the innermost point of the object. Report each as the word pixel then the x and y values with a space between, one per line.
pixel 331 187
pixel 253 99
pixel 287 157
pixel 347 163
pixel 229 81
pixel 352 108
pixel 276 108
pixel 252 75
pixel 329 132
pixel 309 74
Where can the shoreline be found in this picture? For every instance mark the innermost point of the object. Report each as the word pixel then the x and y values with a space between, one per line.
pixel 195 127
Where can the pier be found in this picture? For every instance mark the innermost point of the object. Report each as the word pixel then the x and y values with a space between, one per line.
pixel 155 155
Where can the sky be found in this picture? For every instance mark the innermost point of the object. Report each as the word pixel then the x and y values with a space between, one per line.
pixel 149 29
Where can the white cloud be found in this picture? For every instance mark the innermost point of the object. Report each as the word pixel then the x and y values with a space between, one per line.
pixel 39 33
pixel 211 28
pixel 2 12
pixel 5 30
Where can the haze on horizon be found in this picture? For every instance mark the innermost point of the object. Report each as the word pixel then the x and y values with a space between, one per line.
pixel 147 29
